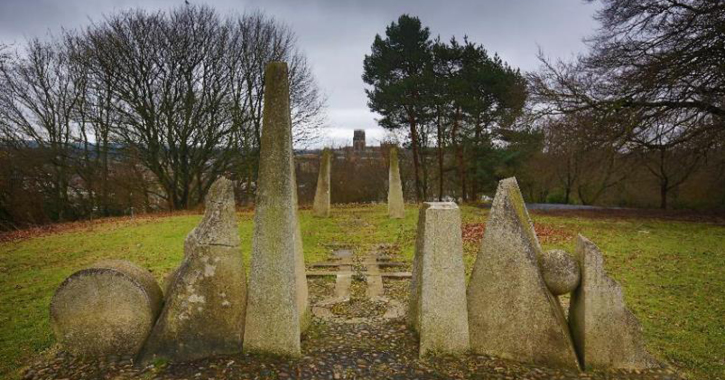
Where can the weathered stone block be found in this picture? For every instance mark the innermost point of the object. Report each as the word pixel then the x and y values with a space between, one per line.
pixel 560 270
pixel 605 332
pixel 438 310
pixel 205 304
pixel 106 309
pixel 511 313
pixel 321 206
pixel 277 301
pixel 396 204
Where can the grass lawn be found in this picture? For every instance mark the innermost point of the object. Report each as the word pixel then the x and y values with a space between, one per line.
pixel 672 272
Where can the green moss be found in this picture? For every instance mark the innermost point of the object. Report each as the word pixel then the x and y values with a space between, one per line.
pixel 519 206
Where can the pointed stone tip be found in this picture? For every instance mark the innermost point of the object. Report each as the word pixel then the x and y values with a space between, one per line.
pixel 276 68
pixel 509 181
pixel 440 205
pixel 220 191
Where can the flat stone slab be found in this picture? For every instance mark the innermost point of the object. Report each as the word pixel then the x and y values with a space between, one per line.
pixel 204 309
pixel 438 309
pixel 342 253
pixel 373 278
pixel 606 333
pixel 106 309
pixel 323 265
pixel 322 273
pixel 397 274
pixel 381 274
pixel 511 312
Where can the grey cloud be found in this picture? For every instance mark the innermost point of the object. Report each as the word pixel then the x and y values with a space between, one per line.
pixel 336 34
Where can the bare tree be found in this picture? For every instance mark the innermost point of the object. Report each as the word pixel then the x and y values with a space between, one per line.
pixel 37 104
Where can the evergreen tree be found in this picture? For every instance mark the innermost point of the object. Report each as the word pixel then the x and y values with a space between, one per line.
pixel 398 71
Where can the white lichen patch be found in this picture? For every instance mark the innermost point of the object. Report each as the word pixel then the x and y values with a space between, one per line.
pixel 209 270
pixel 195 298
pixel 226 303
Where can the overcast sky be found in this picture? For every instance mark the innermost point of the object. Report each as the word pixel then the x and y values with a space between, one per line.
pixel 336 34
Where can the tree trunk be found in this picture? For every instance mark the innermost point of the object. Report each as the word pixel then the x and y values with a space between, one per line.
pixel 663 193
pixel 459 155
pixel 440 157
pixel 414 141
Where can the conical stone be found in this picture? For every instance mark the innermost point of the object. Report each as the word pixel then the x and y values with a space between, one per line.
pixel 511 313
pixel 277 309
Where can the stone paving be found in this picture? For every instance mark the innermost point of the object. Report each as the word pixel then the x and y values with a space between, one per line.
pixel 373 278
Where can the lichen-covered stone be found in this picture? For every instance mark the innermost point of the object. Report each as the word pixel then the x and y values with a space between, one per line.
pixel 321 206
pixel 396 204
pixel 606 334
pixel 438 310
pixel 106 309
pixel 205 304
pixel 560 271
pixel 304 311
pixel 277 300
pixel 511 313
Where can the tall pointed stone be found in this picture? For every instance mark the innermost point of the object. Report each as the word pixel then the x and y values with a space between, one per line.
pixel 396 204
pixel 511 313
pixel 204 310
pixel 276 303
pixel 438 310
pixel 321 207
pixel 605 332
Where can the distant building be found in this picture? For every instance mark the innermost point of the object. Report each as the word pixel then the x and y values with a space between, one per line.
pixel 358 140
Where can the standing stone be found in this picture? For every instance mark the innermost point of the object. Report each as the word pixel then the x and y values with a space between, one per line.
pixel 304 311
pixel 396 204
pixel 438 310
pixel 511 313
pixel 106 309
pixel 205 304
pixel 605 332
pixel 321 206
pixel 276 306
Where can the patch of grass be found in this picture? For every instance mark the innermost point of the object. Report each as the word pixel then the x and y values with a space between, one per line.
pixel 672 272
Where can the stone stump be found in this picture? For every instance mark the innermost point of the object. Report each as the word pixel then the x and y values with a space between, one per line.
pixel 106 309
pixel 606 334
pixel 511 313
pixel 277 308
pixel 321 206
pixel 396 204
pixel 205 304
pixel 438 310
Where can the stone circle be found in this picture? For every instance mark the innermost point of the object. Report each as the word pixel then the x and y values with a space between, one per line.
pixel 560 270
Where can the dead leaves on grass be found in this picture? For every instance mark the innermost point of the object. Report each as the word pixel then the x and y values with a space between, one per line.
pixel 473 233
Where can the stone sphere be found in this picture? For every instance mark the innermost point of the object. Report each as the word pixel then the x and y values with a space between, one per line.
pixel 106 309
pixel 561 272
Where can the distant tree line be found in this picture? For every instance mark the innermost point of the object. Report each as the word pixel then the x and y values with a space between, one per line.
pixel 141 109
pixel 648 100
pixel 637 121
